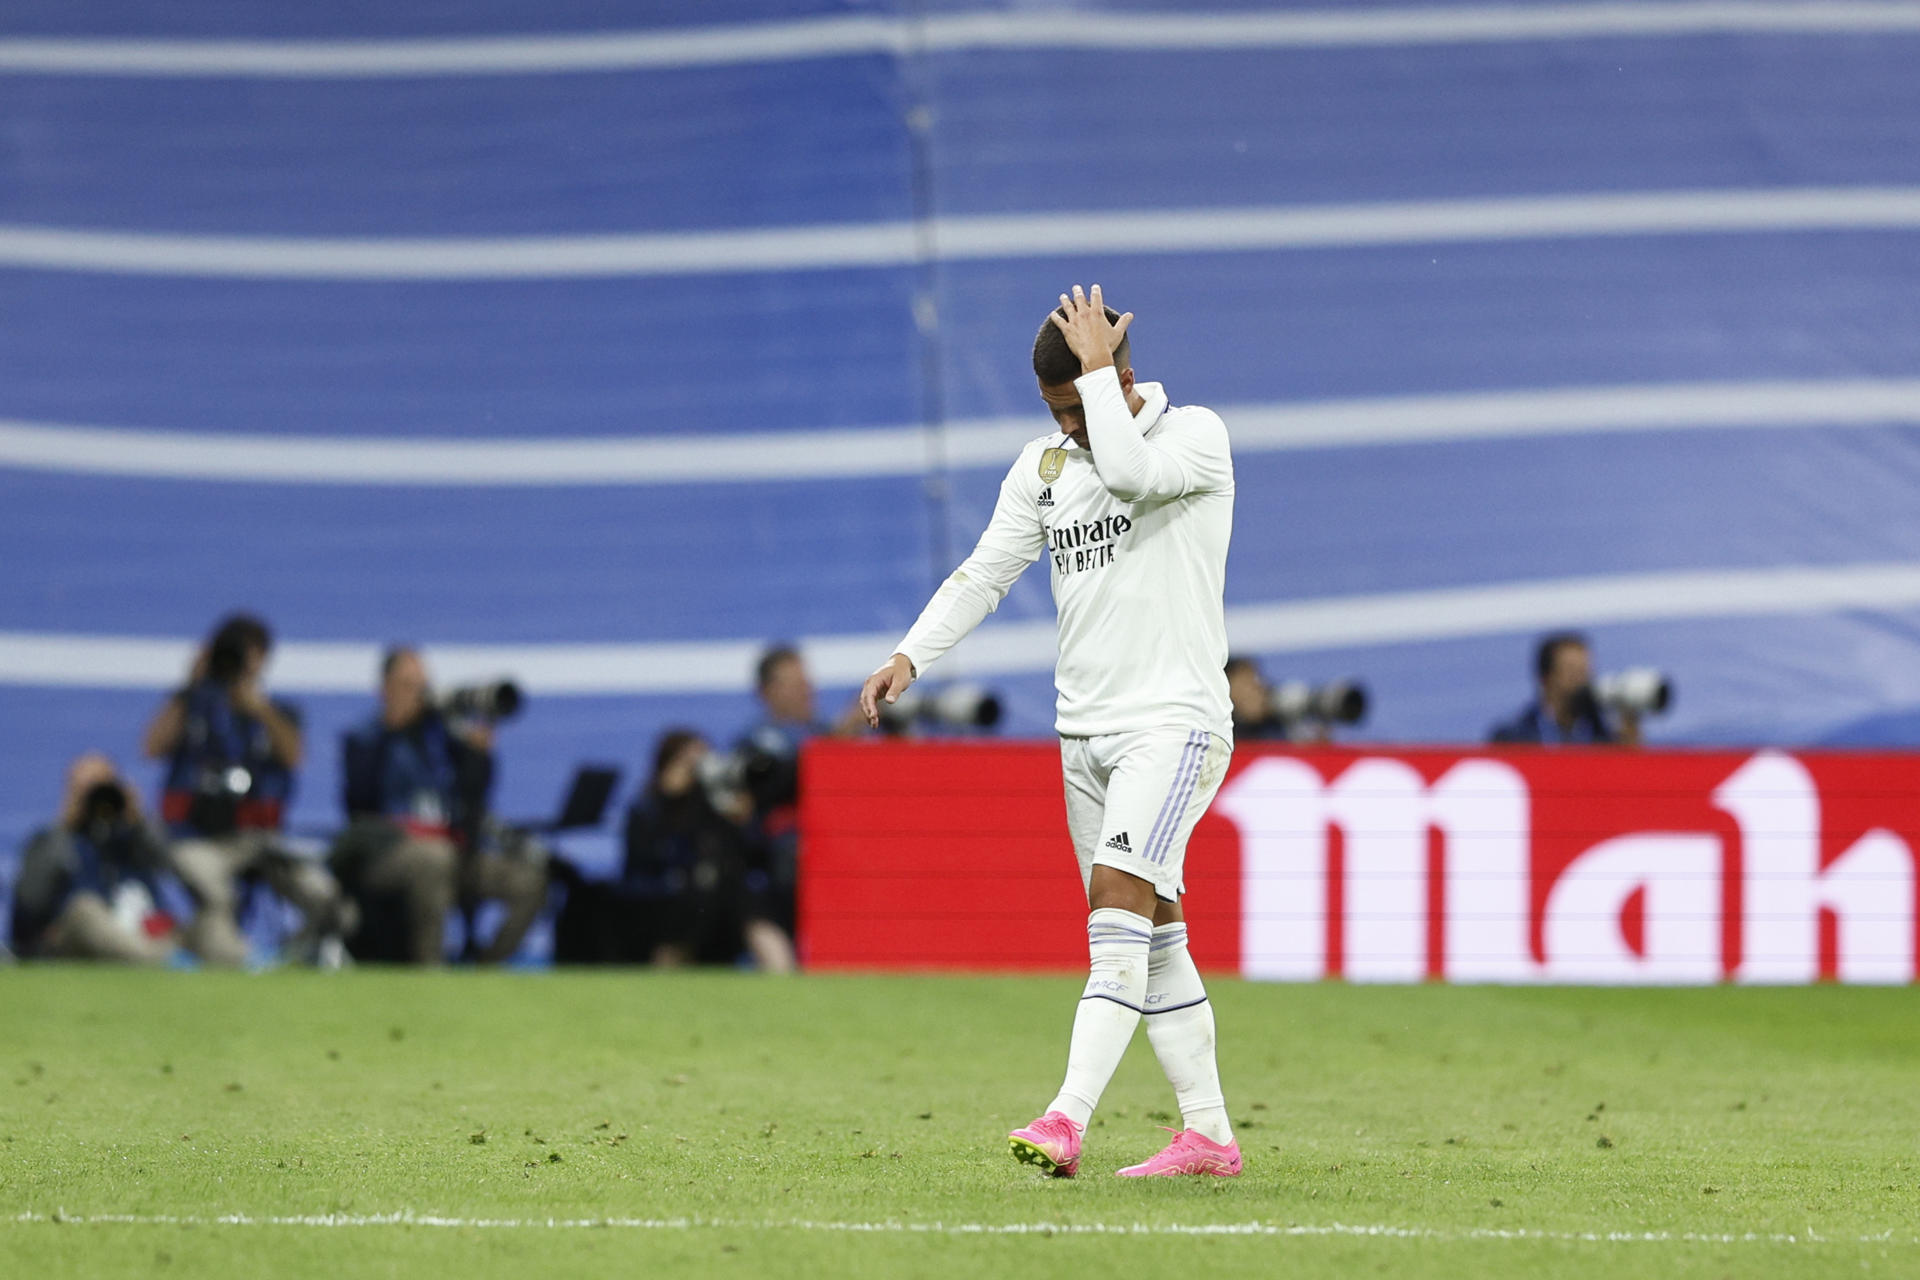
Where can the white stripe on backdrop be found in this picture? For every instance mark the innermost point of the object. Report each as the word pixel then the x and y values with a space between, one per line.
pixel 855 453
pixel 833 37
pixel 1070 234
pixel 724 666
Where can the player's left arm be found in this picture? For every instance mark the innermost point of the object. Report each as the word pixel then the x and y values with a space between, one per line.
pixel 1188 455
pixel 1013 540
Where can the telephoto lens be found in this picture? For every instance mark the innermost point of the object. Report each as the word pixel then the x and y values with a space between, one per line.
pixel 1641 690
pixel 1336 702
pixel 492 701
pixel 956 706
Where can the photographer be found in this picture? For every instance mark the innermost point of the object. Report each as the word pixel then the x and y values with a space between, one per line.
pixel 1566 711
pixel 1252 698
pixel 770 757
pixel 1294 711
pixel 417 780
pixel 231 752
pixel 690 852
pixel 87 888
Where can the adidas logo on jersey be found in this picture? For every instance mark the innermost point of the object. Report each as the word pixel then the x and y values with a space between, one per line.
pixel 1120 842
pixel 1046 497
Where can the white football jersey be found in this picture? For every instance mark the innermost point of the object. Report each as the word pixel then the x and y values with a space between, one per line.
pixel 1135 533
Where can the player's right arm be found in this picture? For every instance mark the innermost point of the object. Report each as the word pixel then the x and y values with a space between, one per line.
pixel 1013 540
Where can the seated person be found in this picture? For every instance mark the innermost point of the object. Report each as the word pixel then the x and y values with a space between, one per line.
pixel 416 788
pixel 88 885
pixel 773 746
pixel 701 866
pixel 231 752
pixel 1566 712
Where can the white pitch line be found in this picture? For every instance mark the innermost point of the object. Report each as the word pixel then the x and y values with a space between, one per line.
pixel 984 237
pixel 876 452
pixel 843 36
pixel 1027 647
pixel 409 1218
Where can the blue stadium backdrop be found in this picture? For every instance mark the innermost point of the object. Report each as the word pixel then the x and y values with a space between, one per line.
pixel 601 342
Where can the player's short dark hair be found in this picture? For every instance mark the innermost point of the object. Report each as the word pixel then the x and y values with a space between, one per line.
pixel 770 660
pixel 1055 362
pixel 1547 652
pixel 1240 662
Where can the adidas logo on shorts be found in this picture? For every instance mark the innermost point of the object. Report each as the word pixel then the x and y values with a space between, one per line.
pixel 1120 842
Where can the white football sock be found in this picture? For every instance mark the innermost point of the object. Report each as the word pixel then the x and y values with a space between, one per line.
pixel 1180 1028
pixel 1109 1010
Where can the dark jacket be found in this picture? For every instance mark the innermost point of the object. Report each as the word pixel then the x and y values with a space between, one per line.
pixel 1535 723
pixel 703 876
pixel 680 844
pixel 223 775
pixel 423 775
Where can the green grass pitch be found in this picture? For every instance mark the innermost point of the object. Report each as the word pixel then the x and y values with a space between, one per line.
pixel 728 1125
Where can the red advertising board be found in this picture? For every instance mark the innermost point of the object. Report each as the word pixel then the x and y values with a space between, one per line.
pixel 1493 865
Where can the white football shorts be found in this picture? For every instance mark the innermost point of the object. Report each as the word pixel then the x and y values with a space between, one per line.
pixel 1133 800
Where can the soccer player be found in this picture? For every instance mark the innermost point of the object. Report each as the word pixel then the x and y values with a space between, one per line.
pixel 1132 502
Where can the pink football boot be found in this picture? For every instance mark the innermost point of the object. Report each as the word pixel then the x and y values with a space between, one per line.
pixel 1189 1153
pixel 1052 1143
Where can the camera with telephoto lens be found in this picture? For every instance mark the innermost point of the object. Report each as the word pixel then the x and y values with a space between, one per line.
pixel 1336 702
pixel 103 811
pixel 227 657
pixel 956 706
pixel 1636 691
pixel 491 701
pixel 763 777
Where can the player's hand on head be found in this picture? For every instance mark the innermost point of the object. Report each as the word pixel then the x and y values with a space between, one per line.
pixel 1082 320
pixel 888 683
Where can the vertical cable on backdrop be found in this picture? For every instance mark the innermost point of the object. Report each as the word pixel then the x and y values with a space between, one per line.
pixel 917 115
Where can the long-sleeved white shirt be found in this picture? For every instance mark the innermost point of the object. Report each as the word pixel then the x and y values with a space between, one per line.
pixel 1135 531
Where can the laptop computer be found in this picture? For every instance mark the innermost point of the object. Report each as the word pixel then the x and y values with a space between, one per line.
pixel 586 799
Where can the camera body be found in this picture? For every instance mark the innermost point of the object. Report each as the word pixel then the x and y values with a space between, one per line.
pixel 491 701
pixel 1336 702
pixel 1636 691
pixel 226 658
pixel 103 814
pixel 766 778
